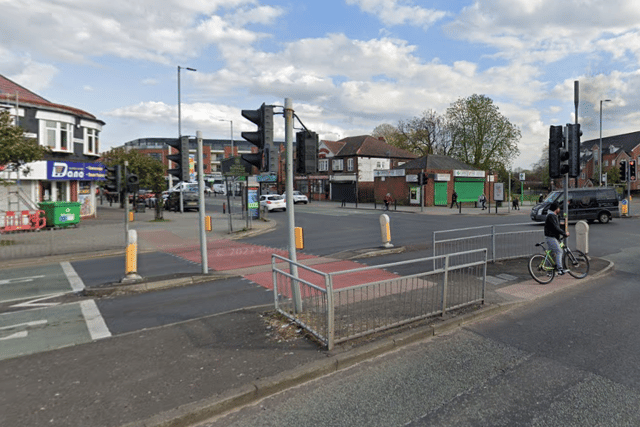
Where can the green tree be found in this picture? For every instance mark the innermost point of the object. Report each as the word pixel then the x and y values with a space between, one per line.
pixel 480 135
pixel 149 170
pixel 426 134
pixel 15 148
pixel 613 175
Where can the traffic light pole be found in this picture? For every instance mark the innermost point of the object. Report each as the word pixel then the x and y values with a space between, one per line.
pixel 126 206
pixel 201 212
pixel 293 268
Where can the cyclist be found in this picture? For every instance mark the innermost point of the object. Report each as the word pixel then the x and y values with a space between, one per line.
pixel 552 233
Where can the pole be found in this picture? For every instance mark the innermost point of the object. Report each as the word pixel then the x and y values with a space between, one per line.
pixel 576 98
pixel 600 148
pixel 126 203
pixel 509 202
pixel 288 137
pixel 422 191
pixel 201 212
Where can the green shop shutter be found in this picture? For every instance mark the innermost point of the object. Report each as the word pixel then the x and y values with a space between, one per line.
pixel 440 193
pixel 469 189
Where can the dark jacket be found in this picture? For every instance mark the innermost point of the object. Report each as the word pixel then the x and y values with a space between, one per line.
pixel 552 226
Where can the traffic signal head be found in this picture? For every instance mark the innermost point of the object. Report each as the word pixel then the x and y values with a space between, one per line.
pixel 133 183
pixel 112 178
pixel 623 170
pixel 632 170
pixel 574 134
pixel 180 159
pixel 306 152
pixel 556 147
pixel 266 159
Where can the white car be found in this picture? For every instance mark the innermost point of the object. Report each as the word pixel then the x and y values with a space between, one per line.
pixel 298 197
pixel 273 201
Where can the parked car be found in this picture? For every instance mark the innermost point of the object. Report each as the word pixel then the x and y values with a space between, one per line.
pixel 273 201
pixel 189 201
pixel 298 197
pixel 584 203
pixel 219 189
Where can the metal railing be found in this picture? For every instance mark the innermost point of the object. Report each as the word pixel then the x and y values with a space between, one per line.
pixel 335 315
pixel 500 245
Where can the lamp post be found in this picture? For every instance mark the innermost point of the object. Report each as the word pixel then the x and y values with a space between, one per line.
pixel 231 122
pixel 600 149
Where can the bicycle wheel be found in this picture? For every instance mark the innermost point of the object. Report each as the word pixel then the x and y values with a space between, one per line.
pixel 577 263
pixel 541 269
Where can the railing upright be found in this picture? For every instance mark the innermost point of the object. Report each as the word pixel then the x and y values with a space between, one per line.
pixel 445 284
pixel 331 332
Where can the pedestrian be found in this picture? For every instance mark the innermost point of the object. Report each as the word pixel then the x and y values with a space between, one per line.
pixel 483 201
pixel 552 233
pixel 387 200
pixel 454 199
pixel 515 204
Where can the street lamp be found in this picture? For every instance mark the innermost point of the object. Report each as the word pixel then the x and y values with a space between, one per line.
pixel 179 103
pixel 600 149
pixel 231 122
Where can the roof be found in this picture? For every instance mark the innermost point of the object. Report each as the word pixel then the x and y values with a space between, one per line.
pixel 334 146
pixel 437 161
pixel 10 90
pixel 368 146
pixel 626 142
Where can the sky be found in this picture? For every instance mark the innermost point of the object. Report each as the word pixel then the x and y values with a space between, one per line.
pixel 347 65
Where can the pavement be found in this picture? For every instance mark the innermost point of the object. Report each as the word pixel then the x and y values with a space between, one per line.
pixel 187 372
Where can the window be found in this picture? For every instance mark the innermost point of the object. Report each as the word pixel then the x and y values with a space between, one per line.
pixel 350 165
pixel 606 162
pixel 378 165
pixel 337 165
pixel 91 139
pixel 57 135
pixel 323 165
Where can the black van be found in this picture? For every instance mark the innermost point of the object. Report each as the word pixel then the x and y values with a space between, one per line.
pixel 584 203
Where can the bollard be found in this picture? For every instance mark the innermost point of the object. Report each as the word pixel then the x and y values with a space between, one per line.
pixel 224 208
pixel 582 236
pixel 130 216
pixel 131 258
pixel 299 235
pixel 385 230
pixel 208 224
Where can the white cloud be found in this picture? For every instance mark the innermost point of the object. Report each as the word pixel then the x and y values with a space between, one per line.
pixel 399 12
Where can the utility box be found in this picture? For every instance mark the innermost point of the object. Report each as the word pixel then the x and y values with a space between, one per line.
pixel 582 236
pixel 61 214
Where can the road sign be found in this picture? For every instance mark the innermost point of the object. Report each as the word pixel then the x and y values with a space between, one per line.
pixel 522 175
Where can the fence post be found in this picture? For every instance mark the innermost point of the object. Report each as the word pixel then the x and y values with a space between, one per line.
pixel 328 280
pixel 445 284
pixel 274 278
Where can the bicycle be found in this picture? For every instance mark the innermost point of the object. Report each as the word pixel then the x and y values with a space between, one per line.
pixel 542 267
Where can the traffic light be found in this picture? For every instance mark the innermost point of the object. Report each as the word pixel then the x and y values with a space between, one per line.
pixel 623 170
pixel 556 149
pixel 112 178
pixel 266 159
pixel 306 152
pixel 181 158
pixel 574 134
pixel 133 183
pixel 422 178
pixel 632 170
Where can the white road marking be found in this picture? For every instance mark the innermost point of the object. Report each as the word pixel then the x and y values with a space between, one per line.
pixel 36 302
pixel 96 324
pixel 19 280
pixel 21 334
pixel 74 280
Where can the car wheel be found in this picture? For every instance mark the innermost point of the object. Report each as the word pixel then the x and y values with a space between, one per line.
pixel 603 217
pixel 305 202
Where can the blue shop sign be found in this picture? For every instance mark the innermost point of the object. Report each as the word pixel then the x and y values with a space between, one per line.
pixel 72 171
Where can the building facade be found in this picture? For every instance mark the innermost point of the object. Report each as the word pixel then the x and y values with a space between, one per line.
pixel 71 171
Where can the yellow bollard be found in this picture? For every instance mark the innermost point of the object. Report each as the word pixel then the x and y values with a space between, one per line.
pixel 385 231
pixel 208 224
pixel 299 237
pixel 131 258
pixel 130 216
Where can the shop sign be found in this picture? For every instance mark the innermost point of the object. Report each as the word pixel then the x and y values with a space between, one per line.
pixel 442 177
pixel 267 178
pixel 67 171
pixel 468 174
pixel 389 172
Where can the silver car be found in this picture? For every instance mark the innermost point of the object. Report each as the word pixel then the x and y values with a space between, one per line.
pixel 273 201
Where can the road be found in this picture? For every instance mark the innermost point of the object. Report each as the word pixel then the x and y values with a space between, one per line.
pixel 570 359
pixel 326 232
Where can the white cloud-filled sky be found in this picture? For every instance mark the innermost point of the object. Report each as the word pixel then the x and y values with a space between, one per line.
pixel 348 65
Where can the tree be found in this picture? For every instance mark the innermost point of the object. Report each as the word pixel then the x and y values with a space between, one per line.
pixel 15 148
pixel 388 132
pixel 149 170
pixel 480 135
pixel 426 134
